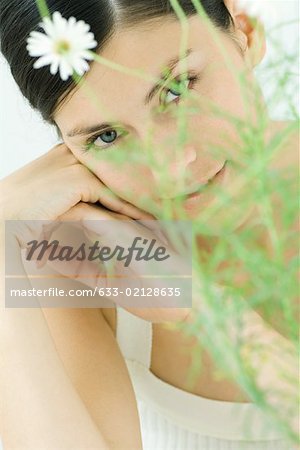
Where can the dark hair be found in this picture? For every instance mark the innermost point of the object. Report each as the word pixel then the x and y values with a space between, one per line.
pixel 19 17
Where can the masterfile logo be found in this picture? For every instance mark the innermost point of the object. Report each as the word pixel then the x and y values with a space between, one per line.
pixel 101 263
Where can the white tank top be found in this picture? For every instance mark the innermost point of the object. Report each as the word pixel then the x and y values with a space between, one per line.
pixel 173 419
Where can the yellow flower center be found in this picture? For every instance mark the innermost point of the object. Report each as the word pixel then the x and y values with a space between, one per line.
pixel 62 47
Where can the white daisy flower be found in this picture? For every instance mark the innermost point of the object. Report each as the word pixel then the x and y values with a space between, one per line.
pixel 65 45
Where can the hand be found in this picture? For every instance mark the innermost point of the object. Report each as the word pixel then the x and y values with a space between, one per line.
pixel 113 229
pixel 48 187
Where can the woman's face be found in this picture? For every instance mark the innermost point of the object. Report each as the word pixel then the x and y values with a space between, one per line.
pixel 124 121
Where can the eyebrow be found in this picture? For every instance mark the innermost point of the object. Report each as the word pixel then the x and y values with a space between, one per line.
pixel 168 68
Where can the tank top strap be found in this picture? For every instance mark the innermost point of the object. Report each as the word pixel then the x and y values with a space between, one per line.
pixel 134 336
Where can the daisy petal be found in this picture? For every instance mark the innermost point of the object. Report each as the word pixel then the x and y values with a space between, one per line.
pixel 87 55
pixel 59 22
pixel 82 26
pixel 54 67
pixel 80 66
pixel 72 21
pixel 43 61
pixel 65 69
pixel 48 27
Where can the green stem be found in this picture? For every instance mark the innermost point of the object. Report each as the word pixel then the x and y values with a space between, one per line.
pixel 43 8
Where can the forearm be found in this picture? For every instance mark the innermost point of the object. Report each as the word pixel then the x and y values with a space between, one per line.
pixel 266 356
pixel 39 408
pixel 274 361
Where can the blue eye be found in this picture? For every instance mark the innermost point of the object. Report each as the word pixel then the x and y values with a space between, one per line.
pixel 103 140
pixel 173 94
pixel 178 87
pixel 107 137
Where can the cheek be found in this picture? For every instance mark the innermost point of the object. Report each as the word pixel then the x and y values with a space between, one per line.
pixel 222 114
pixel 128 181
pixel 213 137
pixel 227 80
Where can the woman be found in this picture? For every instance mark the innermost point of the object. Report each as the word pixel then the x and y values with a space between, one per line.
pixel 74 359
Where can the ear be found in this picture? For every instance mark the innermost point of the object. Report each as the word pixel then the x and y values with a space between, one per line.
pixel 250 33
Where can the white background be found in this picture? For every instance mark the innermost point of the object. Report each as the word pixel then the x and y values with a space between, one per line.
pixel 24 136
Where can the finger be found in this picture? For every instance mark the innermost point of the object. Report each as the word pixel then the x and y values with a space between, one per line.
pixel 106 227
pixel 83 186
pixel 97 274
pixel 127 234
pixel 87 211
pixel 107 198
pixel 114 203
pixel 93 273
pixel 110 229
pixel 99 224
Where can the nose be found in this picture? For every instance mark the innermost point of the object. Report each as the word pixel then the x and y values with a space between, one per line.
pixel 180 160
pixel 171 160
pixel 173 165
pixel 165 144
pixel 175 172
